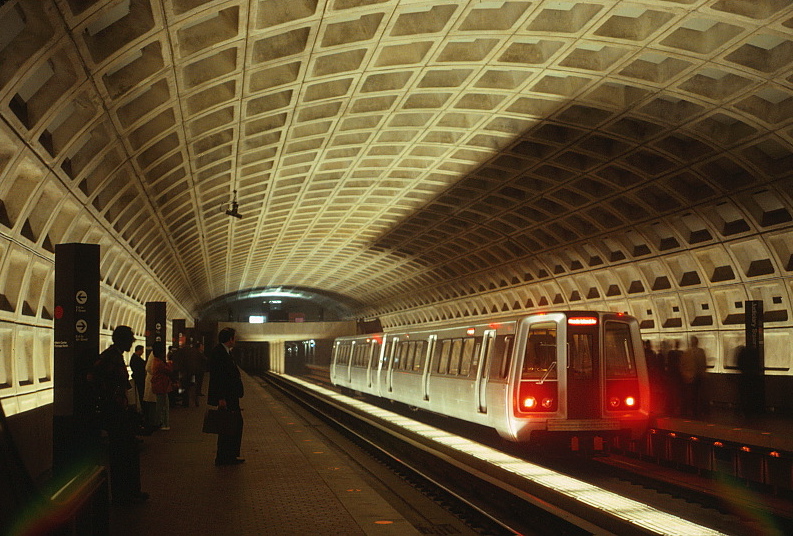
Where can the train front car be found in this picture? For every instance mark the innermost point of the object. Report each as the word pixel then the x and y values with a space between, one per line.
pixel 354 361
pixel 578 380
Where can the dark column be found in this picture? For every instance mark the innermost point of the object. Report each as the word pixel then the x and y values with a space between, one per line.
pixel 755 377
pixel 155 328
pixel 753 321
pixel 179 331
pixel 76 349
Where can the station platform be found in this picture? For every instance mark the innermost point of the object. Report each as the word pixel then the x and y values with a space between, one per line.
pixel 756 451
pixel 767 431
pixel 292 482
pixel 295 482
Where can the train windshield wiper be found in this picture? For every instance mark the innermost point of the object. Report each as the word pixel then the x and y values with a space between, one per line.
pixel 547 372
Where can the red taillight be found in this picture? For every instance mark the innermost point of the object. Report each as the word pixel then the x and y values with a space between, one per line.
pixel 537 397
pixel 622 395
pixel 617 403
pixel 582 321
pixel 470 331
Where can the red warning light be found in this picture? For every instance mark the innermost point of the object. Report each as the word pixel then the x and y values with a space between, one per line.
pixel 470 331
pixel 58 312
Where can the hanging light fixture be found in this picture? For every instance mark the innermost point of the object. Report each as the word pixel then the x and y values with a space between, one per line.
pixel 233 212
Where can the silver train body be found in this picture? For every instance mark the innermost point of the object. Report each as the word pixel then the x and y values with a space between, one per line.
pixel 571 376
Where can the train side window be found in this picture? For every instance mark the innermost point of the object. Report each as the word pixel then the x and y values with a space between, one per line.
pixel 395 356
pixel 540 359
pixel 399 362
pixel 620 361
pixel 411 356
pixel 468 355
pixel 443 362
pixel 388 355
pixel 421 353
pixel 373 355
pixel 486 356
pixel 389 365
pixel 363 352
pixel 454 360
pixel 506 355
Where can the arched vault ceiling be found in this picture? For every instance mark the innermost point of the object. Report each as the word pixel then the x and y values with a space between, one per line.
pixel 379 147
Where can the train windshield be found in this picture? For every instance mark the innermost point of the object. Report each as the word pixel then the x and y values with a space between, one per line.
pixel 539 363
pixel 618 351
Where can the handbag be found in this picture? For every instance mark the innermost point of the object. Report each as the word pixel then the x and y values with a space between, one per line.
pixel 221 421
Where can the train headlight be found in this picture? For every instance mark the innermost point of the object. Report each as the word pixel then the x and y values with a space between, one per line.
pixel 630 401
pixel 530 402
pixel 547 403
pixel 614 402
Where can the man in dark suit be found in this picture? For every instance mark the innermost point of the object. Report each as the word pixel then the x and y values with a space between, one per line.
pixel 225 391
pixel 110 380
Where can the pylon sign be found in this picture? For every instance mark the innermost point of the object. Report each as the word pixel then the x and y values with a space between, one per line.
pixel 155 328
pixel 76 348
pixel 76 324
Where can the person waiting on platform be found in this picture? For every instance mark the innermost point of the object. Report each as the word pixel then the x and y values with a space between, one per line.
pixel 138 366
pixel 195 362
pixel 692 372
pixel 159 384
pixel 110 382
pixel 225 391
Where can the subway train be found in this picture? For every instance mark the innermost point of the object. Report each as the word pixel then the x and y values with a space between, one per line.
pixel 569 378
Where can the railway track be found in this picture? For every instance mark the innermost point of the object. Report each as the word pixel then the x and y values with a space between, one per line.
pixel 507 493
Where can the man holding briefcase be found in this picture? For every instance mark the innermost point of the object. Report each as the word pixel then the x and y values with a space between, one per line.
pixel 225 391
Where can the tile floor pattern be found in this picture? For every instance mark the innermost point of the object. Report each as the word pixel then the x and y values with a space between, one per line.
pixel 291 483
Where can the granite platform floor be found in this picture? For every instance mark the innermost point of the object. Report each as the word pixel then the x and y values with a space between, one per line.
pixel 293 481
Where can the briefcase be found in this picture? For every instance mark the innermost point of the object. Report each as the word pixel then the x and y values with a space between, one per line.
pixel 221 421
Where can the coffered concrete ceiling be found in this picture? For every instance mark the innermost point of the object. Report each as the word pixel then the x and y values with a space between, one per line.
pixel 418 157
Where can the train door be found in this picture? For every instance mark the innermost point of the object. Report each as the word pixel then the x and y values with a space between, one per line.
pixel 389 364
pixel 583 368
pixel 339 359
pixel 370 361
pixel 425 382
pixel 350 359
pixel 483 370
pixel 377 371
